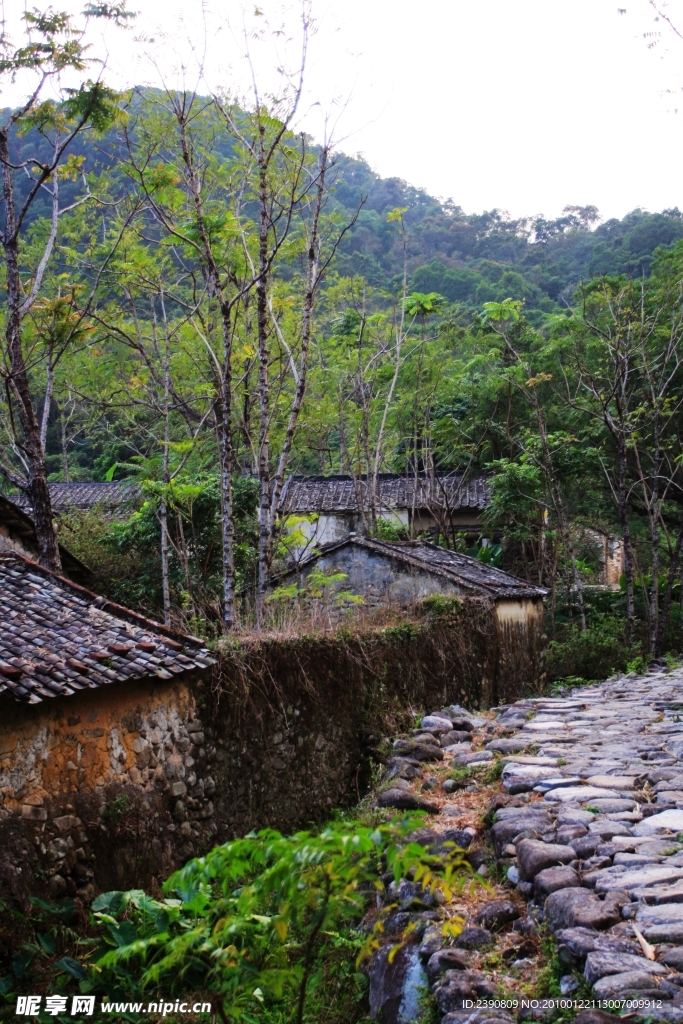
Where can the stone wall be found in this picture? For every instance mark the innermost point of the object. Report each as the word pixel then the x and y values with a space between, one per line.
pixel 115 787
pixel 13 543
pixel 107 787
pixel 299 722
pixel 379 579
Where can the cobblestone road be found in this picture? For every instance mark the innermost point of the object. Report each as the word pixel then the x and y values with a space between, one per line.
pixel 587 834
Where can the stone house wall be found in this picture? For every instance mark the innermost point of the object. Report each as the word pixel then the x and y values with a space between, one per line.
pixel 319 530
pixel 378 580
pixel 74 773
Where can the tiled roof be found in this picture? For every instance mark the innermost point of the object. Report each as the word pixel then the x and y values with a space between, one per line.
pixel 58 638
pixel 462 569
pixel 349 494
pixel 20 528
pixel 470 574
pixel 110 495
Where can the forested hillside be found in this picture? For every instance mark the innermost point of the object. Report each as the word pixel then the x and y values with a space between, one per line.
pixel 198 300
pixel 476 258
pixel 201 300
pixel 468 258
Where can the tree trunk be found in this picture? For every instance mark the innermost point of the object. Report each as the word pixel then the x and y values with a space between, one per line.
pixel 223 413
pixel 36 486
pixel 163 510
pixel 19 391
pixel 38 493
pixel 561 517
pixel 264 526
pixel 165 587
pixel 653 515
pixel 312 282
pixel 626 539
pixel 223 403
pixel 65 448
pixel 553 593
pixel 400 338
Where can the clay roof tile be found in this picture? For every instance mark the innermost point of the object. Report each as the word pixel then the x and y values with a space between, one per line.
pixel 58 638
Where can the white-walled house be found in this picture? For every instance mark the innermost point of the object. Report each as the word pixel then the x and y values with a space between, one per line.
pixel 328 509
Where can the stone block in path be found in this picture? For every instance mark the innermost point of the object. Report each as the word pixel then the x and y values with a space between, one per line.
pixel 596 1017
pixel 403 801
pixel 669 933
pixel 551 879
pixel 666 821
pixel 665 913
pixel 621 782
pixel 580 794
pixel 533 856
pixel 603 962
pixel 627 881
pixel 614 986
pixel 581 908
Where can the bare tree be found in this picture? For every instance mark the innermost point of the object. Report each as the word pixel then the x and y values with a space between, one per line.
pixel 53 45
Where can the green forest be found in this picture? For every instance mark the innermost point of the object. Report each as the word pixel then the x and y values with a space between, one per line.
pixel 203 301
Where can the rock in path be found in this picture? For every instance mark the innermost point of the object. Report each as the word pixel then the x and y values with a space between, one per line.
pixel 405 801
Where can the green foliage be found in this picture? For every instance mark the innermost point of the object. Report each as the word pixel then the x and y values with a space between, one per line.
pixel 594 654
pixel 248 921
pixel 93 103
pixel 318 585
pixel 404 633
pixel 36 944
pixel 421 305
pixel 388 530
pixel 119 806
pixel 488 553
pixel 637 665
pixel 547 979
pixel 442 606
pixel 476 364
pixel 125 554
pixel 492 772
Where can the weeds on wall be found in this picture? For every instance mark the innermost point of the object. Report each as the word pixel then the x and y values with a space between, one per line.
pixel 428 654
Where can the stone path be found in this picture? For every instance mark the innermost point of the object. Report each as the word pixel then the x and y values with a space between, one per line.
pixel 587 837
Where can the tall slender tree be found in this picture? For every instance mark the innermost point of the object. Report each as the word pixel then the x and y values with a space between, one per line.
pixel 53 45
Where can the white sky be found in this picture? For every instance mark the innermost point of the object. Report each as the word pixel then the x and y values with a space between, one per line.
pixel 525 105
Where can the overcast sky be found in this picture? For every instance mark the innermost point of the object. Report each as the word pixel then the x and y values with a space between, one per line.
pixel 524 105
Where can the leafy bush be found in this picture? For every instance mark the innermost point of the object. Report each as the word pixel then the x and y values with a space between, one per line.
pixel 248 921
pixel 389 529
pixel 34 947
pixel 594 654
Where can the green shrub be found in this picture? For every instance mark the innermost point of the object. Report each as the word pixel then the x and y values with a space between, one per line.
pixel 387 529
pixel 262 923
pixel 594 654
